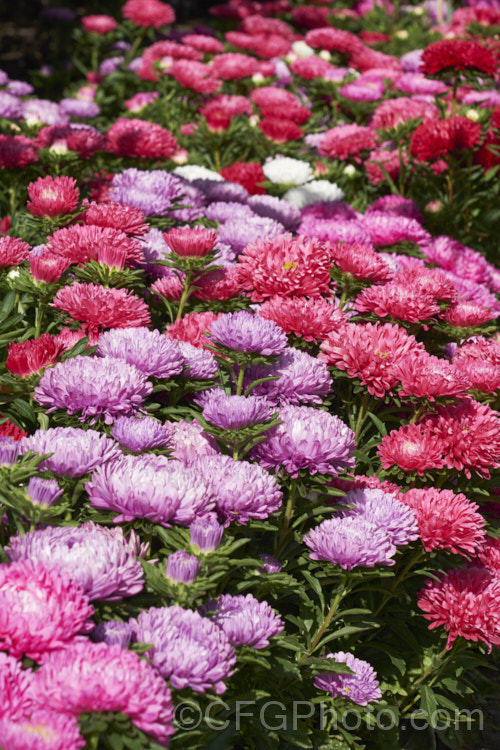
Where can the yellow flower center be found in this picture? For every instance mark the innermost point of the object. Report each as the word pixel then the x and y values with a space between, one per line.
pixel 290 265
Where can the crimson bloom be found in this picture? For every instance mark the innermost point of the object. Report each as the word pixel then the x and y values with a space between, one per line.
pixel 346 140
pixel 30 357
pixel 191 242
pixel 312 319
pixel 248 174
pixel 53 196
pixel 16 151
pixel 148 13
pixel 280 130
pixel 99 24
pixel 412 448
pixel 361 262
pixel 99 307
pixel 457 55
pixel 435 139
pixel 12 251
pixel 139 138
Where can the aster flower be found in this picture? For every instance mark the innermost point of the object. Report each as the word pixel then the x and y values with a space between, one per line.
pixel 430 281
pixel 113 215
pixel 285 266
pixel 361 262
pixel 234 412
pixel 152 487
pixel 87 677
pixel 152 192
pixel 351 543
pixel 46 266
pixel 182 567
pixel 10 106
pixel 274 208
pixel 413 447
pixel 99 24
pixel 102 562
pixel 188 649
pixel 101 307
pixel 200 363
pixel 307 439
pixel 466 603
pixel 453 256
pixel 393 112
pixel 140 100
pixel 284 170
pixel 311 319
pixel 53 196
pixel 229 211
pixel 196 76
pixel 446 520
pixel 384 511
pixel 344 141
pixel 451 56
pixel 75 107
pixel 245 620
pixel 409 304
pixel 247 174
pixel 16 151
pixel 43 492
pixel 41 609
pixel 95 387
pixel 15 685
pixel 205 535
pixel 225 192
pixel 310 192
pixel 192 328
pixel 222 284
pixel 425 376
pixel 139 138
pixel 279 130
pixel 140 434
pixel 147 13
pixel 113 632
pixel 30 357
pixel 150 351
pixel 384 230
pixel 75 452
pixel 80 244
pixel 466 314
pixel 481 375
pixel 10 430
pixel 9 451
pixel 436 139
pixel 12 251
pixel 190 242
pixel 396 205
pixel 190 442
pixel 43 730
pixel 301 379
pixel 37 111
pixel 244 332
pixel 362 687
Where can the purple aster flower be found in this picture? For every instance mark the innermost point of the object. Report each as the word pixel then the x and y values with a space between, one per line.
pixel 411 61
pixel 224 192
pixel 43 730
pixel 192 199
pixel 150 351
pixel 3 78
pixel 101 561
pixel 152 487
pixel 10 106
pixel 279 210
pixel 9 451
pixel 245 332
pixel 205 534
pixel 201 363
pixel 20 88
pixel 307 439
pixel 242 490
pixel 152 192
pixel 242 232
pixel 385 229
pixel 333 230
pixel 111 64
pixel 182 567
pixel 114 633
pixel 228 210
pixel 396 206
pixel 385 512
pixel 245 620
pixel 190 442
pixel 234 412
pixel 224 255
pixel 43 492
pixel 470 290
pixel 350 543
pixel 75 452
pixel 270 564
pixel 302 379
pixel 189 650
pixel 44 111
pixel 95 387
pixel 138 434
pixel 79 107
pixel 362 687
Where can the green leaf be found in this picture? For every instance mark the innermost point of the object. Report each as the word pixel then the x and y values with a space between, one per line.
pixel 428 703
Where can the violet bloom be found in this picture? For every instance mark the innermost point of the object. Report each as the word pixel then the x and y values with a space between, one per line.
pixel 43 492
pixel 114 633
pixel 43 111
pixel 228 211
pixel 9 451
pixel 224 192
pixel 201 363
pixel 385 512
pixel 245 620
pixel 152 487
pixel 234 412
pixel 362 687
pixel 241 490
pixel 307 439
pixel 10 106
pixel 79 107
pixel 190 442
pixel 182 567
pixel 275 208
pixel 152 192
pixel 138 434
pixel 151 352
pixel 111 64
pixel 189 650
pixel 193 201
pixel 20 88
pixel 302 379
pixel 245 332
pixel 270 564
pixel 75 452
pixel 95 387
pixel 205 535
pixel 242 232
pixel 101 561
pixel 350 543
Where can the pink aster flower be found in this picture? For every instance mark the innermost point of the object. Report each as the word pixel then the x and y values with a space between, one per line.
pixel 361 687
pixel 41 609
pixel 431 281
pixel 101 307
pixel 346 140
pixel 80 244
pixel 195 75
pixel 15 685
pixel 384 230
pixel 311 319
pixel 467 314
pixel 87 677
pixel 147 13
pixel 361 262
pixel 351 543
pixel 139 138
pixel 409 304
pixel 245 620
pixel 99 24
pixel 488 555
pixel 53 196
pixel 412 448
pixel 191 242
pixel 425 376
pixel 393 112
pixel 192 328
pixel 43 730
pixel 446 520
pixel 113 215
pixel 12 251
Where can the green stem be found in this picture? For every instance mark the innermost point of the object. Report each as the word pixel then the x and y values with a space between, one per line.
pixel 361 414
pixel 418 413
pixel 402 171
pixel 186 293
pixel 454 97
pixel 432 666
pixel 326 622
pixel 38 318
pixel 290 503
pixel 389 594
pixel 239 382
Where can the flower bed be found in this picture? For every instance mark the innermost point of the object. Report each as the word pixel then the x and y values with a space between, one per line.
pixel 249 445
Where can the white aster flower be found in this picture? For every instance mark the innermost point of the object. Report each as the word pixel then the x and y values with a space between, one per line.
pixel 302 49
pixel 317 190
pixel 286 171
pixel 194 172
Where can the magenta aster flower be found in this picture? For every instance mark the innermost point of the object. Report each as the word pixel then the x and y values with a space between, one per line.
pixel 205 535
pixel 234 412
pixel 43 730
pixel 362 687
pixel 40 609
pixel 301 379
pixel 87 677
pixel 150 351
pixel 350 543
pixel 307 439
pixel 245 620
pixel 151 487
pixel 201 363
pixel 15 685
pixel 75 452
pixel 241 490
pixel 113 633
pixel 182 567
pixel 190 442
pixel 95 387
pixel 9 451
pixel 385 512
pixel 248 333
pixel 138 434
pixel 43 492
pixel 189 650
pixel 101 561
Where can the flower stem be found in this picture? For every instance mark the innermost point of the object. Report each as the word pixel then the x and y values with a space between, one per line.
pixel 361 415
pixel 292 495
pixel 186 292
pixel 239 383
pixel 326 622
pixel 437 661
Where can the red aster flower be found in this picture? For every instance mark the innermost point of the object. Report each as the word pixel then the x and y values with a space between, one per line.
pixel 272 96
pixel 139 138
pixel 99 307
pixel 8 429
pixel 53 196
pixel 255 24
pixel 369 352
pixel 480 349
pixel 435 139
pixel 400 302
pixel 196 76
pixel 67 338
pixel 280 131
pixel 467 314
pixel 191 242
pixel 456 55
pixel 361 482
pixel 231 105
pixel 310 319
pixel 99 24
pixel 466 602
pixel 218 121
pixel 346 140
pixel 192 328
pixel 4 225
pixel 80 244
pixel 488 556
pixel 360 262
pixel 160 56
pixel 248 174
pixel 290 112
pixel 16 151
pixel 79 139
pixel 47 266
pixel 31 357
pixel 286 266
pixel 412 448
pixel 233 66
pixel 425 376
pixel 115 216
pixel 203 43
pixel 374 37
pixel 148 13
pixel 446 520
pixel 12 251
pixel 219 285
